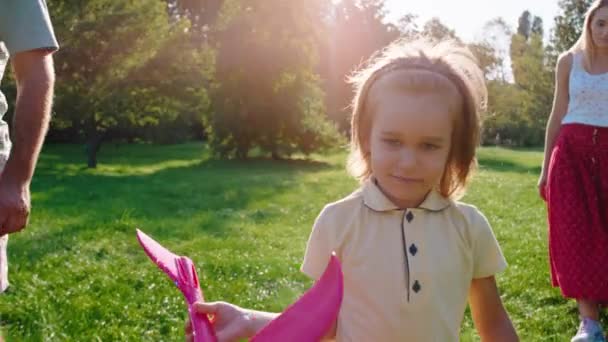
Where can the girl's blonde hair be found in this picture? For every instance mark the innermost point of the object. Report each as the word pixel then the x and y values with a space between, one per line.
pixel 585 41
pixel 430 67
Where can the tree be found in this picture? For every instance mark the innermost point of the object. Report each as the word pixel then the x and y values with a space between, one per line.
pixel 517 111
pixel 114 75
pixel 533 75
pixel 524 24
pixel 267 94
pixel 201 13
pixel 354 31
pixel 528 52
pixel 496 39
pixel 537 26
pixel 407 26
pixel 435 30
pixel 569 23
pixel 504 122
pixel 488 59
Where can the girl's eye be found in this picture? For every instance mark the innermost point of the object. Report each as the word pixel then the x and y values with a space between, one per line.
pixel 430 147
pixel 391 142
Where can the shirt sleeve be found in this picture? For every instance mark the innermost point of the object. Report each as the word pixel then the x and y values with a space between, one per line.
pixel 487 255
pixel 25 25
pixel 318 248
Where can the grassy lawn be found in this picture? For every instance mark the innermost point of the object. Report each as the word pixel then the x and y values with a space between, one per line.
pixel 77 273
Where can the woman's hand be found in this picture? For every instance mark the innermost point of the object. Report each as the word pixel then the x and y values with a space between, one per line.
pixel 542 186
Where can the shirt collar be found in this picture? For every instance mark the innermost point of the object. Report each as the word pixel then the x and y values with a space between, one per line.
pixel 374 199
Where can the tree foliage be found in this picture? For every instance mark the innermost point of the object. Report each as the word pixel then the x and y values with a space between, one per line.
pixel 269 96
pixel 118 70
pixel 569 23
pixel 268 76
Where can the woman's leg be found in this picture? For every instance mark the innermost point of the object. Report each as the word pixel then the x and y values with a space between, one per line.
pixel 589 309
pixel 3 264
pixel 590 328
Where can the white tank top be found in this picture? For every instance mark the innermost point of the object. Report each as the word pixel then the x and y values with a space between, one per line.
pixel 588 96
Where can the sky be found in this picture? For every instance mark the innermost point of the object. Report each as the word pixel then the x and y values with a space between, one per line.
pixel 468 17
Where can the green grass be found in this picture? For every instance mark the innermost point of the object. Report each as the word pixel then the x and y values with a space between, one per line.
pixel 77 272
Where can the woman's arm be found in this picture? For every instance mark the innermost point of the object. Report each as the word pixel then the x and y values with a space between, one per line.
pixel 559 110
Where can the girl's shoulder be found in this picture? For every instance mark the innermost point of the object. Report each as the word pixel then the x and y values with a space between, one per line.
pixel 471 215
pixel 338 219
pixel 475 227
pixel 343 207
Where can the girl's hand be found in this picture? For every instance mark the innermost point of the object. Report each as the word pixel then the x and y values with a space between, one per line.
pixel 231 323
pixel 542 186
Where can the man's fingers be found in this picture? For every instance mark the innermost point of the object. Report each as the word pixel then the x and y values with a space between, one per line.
pixel 3 231
pixel 14 207
pixel 16 221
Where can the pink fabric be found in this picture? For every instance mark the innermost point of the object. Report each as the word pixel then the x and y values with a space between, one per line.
pixel 307 320
pixel 312 316
pixel 181 270
pixel 577 198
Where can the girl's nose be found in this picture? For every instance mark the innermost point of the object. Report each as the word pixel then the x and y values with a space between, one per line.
pixel 407 159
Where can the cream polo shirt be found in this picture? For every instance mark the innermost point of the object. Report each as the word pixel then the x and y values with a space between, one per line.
pixel 407 273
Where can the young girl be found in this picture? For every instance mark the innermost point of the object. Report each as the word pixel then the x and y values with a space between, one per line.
pixel 411 255
pixel 574 178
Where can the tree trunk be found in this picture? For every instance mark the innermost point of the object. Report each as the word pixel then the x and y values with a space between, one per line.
pixel 93 146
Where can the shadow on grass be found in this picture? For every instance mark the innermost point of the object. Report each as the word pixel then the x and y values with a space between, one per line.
pixel 172 203
pixel 502 165
pixel 127 160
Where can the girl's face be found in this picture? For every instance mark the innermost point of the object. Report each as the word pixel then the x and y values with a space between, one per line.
pixel 599 28
pixel 409 143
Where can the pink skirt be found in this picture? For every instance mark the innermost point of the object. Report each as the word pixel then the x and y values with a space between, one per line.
pixel 577 198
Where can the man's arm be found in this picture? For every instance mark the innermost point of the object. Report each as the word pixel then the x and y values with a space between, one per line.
pixel 35 79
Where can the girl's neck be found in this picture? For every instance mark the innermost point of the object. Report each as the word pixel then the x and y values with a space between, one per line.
pixel 402 203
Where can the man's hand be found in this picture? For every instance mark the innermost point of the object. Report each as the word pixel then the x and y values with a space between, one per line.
pixel 14 206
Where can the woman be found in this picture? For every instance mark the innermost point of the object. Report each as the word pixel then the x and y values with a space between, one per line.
pixel 574 178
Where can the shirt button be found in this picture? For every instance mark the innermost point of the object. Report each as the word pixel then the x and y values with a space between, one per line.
pixel 416 287
pixel 409 216
pixel 413 249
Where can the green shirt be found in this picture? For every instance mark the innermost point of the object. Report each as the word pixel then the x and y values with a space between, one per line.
pixel 24 25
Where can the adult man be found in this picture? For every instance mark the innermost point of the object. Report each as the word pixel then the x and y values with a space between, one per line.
pixel 27 35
